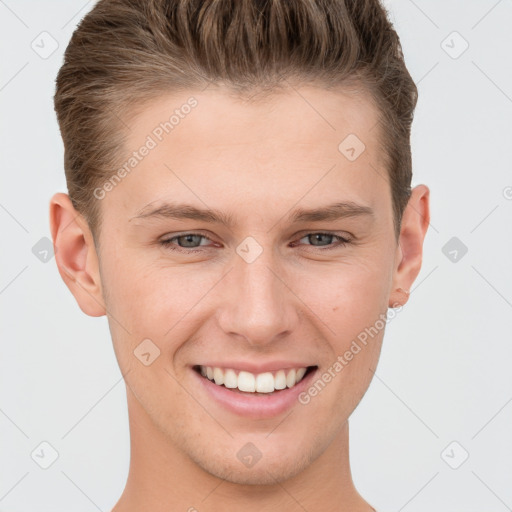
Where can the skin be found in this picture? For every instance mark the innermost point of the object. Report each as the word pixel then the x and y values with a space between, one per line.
pixel 256 161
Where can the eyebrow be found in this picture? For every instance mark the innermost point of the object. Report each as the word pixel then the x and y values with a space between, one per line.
pixel 179 211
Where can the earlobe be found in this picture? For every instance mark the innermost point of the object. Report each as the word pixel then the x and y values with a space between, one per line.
pixel 75 255
pixel 415 222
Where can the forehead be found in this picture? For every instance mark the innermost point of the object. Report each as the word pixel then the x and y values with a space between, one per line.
pixel 304 111
pixel 308 115
pixel 211 145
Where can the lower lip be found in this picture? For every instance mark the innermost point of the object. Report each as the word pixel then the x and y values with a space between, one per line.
pixel 255 406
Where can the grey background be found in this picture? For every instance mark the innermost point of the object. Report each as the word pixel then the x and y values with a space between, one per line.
pixel 445 370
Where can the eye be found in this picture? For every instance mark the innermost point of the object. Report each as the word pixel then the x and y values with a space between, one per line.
pixel 191 242
pixel 185 242
pixel 324 240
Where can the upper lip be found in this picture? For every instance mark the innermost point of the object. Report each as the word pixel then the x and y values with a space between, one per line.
pixel 257 368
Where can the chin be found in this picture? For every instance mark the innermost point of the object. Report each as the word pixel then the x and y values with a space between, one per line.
pixel 267 471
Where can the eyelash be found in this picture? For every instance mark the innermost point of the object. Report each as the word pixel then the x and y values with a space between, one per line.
pixel 168 242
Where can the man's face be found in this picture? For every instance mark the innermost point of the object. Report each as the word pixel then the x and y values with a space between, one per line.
pixel 266 293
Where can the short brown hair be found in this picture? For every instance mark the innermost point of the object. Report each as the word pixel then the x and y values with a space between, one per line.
pixel 127 52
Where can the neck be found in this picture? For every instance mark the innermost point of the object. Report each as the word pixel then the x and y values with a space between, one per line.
pixel 162 478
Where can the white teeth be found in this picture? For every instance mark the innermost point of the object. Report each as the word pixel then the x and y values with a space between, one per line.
pixel 266 382
pixel 218 376
pixel 280 380
pixel 300 374
pixel 230 379
pixel 290 378
pixel 246 382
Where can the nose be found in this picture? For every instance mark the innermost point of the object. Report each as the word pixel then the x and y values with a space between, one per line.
pixel 257 302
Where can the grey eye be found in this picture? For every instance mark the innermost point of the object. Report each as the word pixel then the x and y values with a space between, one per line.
pixel 190 240
pixel 319 237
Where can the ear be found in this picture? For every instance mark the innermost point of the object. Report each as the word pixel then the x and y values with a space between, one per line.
pixel 75 255
pixel 415 221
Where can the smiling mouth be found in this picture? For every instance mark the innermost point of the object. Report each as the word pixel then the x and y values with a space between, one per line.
pixel 255 384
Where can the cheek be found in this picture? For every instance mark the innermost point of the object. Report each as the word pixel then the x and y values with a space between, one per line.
pixel 352 304
pixel 155 302
pixel 347 298
pixel 152 293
